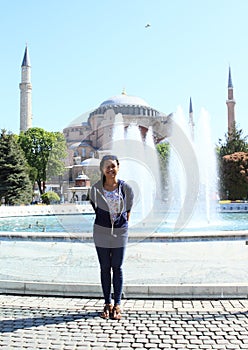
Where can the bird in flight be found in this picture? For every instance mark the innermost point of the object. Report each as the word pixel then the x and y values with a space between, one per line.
pixel 147 25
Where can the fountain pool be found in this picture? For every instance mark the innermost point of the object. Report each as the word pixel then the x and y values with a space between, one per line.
pixel 165 259
pixel 82 223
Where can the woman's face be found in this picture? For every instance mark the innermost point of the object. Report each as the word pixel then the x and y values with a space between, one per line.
pixel 110 168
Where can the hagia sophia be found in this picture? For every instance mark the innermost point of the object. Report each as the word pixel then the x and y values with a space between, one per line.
pixel 88 136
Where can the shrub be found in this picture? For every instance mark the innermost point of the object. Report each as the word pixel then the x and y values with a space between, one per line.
pixel 50 197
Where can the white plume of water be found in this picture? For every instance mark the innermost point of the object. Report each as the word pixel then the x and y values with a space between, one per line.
pixel 139 167
pixel 207 165
pixel 176 170
pixel 205 206
pixel 118 131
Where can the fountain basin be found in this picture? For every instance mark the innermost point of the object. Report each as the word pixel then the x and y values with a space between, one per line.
pixel 206 269
pixel 233 207
pixel 39 210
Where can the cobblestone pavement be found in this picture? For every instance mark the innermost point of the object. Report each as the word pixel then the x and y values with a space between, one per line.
pixel 74 323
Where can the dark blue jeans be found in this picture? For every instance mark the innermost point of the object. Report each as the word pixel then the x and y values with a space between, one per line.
pixel 111 258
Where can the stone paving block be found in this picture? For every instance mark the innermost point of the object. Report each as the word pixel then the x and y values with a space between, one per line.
pixel 123 343
pixel 137 346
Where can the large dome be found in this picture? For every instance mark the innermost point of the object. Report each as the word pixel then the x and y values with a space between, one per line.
pixel 124 99
pixel 118 100
pixel 123 103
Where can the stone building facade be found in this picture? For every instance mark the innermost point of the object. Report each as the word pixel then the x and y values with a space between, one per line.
pixel 93 131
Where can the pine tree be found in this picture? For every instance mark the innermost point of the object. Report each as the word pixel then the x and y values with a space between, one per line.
pixel 15 185
pixel 234 142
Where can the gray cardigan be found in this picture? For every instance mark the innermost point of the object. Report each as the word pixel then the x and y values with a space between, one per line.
pixel 106 233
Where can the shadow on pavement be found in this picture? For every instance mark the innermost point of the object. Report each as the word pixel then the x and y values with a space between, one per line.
pixel 37 318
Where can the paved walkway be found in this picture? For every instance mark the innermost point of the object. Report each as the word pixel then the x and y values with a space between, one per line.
pixel 74 323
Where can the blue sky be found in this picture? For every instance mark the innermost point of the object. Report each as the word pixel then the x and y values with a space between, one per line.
pixel 83 52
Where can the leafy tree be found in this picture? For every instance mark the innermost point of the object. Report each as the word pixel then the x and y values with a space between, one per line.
pixel 163 149
pixel 235 175
pixel 15 185
pixel 229 173
pixel 44 152
pixel 55 165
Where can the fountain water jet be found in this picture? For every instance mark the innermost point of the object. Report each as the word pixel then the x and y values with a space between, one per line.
pixel 207 165
pixel 192 178
pixel 206 186
pixel 139 166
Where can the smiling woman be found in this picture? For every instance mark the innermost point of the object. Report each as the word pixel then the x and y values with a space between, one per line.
pixel 109 167
pixel 112 200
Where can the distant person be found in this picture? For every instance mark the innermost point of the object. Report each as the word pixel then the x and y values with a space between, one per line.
pixel 112 200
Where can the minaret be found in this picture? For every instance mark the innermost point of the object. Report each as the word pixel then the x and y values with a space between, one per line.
pixel 191 120
pixel 25 93
pixel 230 103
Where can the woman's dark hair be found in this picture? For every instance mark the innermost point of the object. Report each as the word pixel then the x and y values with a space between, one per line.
pixel 104 158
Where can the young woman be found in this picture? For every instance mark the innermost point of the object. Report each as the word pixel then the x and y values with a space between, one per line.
pixel 112 200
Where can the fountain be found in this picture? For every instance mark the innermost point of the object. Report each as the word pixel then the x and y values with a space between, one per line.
pixel 65 253
pixel 139 166
pixel 202 165
pixel 192 181
pixel 192 174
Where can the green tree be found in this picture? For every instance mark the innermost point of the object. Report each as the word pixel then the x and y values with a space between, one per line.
pixel 15 185
pixel 163 149
pixel 44 152
pixel 234 143
pixel 50 197
pixel 55 164
pixel 235 175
